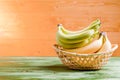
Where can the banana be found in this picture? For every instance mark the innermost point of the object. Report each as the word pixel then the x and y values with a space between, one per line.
pixel 74 45
pixel 90 48
pixel 106 45
pixel 94 25
pixel 74 38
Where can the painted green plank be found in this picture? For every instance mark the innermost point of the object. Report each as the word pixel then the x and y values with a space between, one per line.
pixel 51 68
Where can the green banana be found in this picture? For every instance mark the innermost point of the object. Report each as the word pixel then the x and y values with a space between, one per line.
pixel 76 45
pixel 94 25
pixel 74 38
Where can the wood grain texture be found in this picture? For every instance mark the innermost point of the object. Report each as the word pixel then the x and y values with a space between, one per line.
pixel 28 27
pixel 50 68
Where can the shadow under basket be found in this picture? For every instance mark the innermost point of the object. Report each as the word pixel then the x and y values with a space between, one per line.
pixel 84 61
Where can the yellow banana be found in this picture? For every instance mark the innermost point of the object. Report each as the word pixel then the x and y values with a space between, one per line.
pixel 106 45
pixel 90 48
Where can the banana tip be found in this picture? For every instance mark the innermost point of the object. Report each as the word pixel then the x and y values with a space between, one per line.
pixel 103 33
pixel 59 25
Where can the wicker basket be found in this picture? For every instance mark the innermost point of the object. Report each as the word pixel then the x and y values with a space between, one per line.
pixel 84 61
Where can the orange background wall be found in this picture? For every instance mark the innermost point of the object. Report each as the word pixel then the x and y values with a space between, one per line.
pixel 28 27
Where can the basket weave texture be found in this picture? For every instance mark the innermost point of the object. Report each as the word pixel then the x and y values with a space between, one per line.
pixel 84 61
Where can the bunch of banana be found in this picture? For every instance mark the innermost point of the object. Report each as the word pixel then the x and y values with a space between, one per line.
pixel 102 44
pixel 77 39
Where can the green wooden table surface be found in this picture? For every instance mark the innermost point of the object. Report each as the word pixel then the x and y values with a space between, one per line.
pixel 51 68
